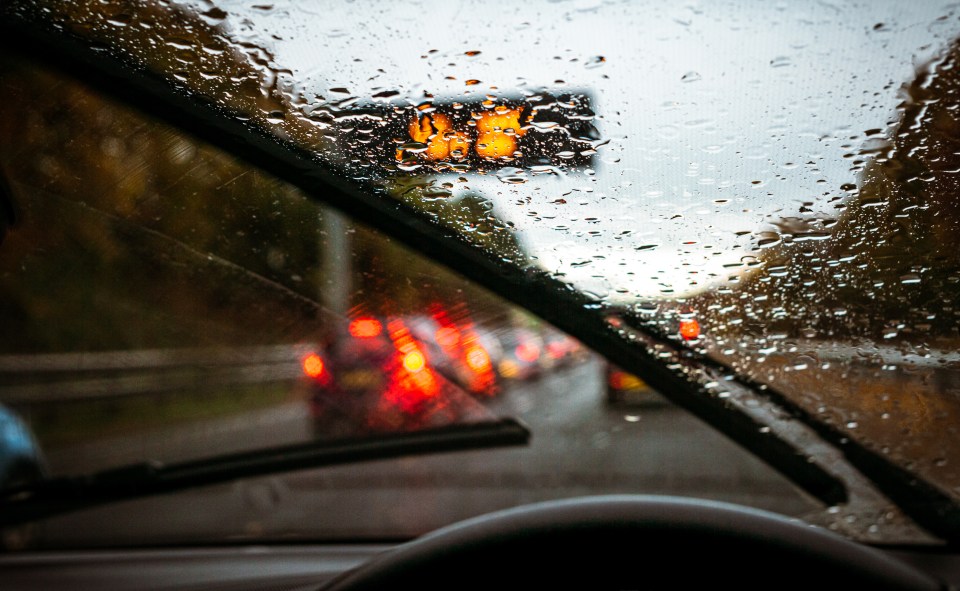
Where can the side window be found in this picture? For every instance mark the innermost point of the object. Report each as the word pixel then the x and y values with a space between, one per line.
pixel 152 284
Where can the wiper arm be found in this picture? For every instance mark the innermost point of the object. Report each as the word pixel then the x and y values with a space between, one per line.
pixel 928 506
pixel 63 495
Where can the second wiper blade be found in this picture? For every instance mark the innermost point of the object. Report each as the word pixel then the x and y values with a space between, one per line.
pixel 63 495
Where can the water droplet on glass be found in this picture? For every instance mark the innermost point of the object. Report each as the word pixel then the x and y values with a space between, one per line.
pixel 595 62
pixel 120 20
pixel 414 147
pixel 214 16
pixel 780 62
pixel 768 239
pixel 910 278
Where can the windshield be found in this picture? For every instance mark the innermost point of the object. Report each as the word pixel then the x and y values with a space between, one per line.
pixel 750 199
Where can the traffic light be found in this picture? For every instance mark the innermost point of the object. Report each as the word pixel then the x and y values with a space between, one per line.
pixel 474 133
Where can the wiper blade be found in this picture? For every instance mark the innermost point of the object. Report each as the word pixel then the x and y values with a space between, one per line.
pixel 63 495
pixel 925 504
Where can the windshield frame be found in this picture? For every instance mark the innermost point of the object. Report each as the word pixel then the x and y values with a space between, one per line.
pixel 118 76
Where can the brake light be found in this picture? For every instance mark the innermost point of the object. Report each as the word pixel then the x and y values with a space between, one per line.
pixel 477 359
pixel 447 337
pixel 527 352
pixel 313 365
pixel 365 328
pixel 413 361
pixel 620 380
pixel 555 350
pixel 689 329
pixel 615 379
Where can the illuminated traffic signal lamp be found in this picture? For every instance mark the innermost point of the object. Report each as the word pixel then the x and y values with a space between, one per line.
pixel 442 141
pixel 497 132
pixel 475 133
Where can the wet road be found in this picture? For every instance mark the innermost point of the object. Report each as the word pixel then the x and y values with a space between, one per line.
pixel 580 445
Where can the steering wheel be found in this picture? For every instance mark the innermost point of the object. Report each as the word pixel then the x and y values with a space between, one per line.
pixel 632 542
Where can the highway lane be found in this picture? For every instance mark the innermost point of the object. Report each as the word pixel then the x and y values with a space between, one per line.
pixel 580 445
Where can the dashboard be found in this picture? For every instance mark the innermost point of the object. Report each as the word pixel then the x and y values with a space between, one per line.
pixel 241 568
pixel 589 539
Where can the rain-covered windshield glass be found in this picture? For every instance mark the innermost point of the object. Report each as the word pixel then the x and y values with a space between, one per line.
pixel 166 302
pixel 769 184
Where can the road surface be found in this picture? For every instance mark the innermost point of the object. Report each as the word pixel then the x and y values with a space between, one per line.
pixel 580 445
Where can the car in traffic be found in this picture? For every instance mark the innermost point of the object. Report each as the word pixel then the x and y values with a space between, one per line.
pixel 523 357
pixel 212 174
pixel 382 374
pixel 621 386
pixel 21 464
pixel 374 376
pixel 561 348
pixel 21 461
pixel 455 346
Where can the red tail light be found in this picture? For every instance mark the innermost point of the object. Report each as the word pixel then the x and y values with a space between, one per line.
pixel 413 385
pixel 615 379
pixel 527 352
pixel 477 359
pixel 621 380
pixel 365 328
pixel 313 365
pixel 689 329
pixel 413 361
pixel 555 350
pixel 447 337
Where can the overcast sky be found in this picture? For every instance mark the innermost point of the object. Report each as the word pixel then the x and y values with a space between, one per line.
pixel 722 116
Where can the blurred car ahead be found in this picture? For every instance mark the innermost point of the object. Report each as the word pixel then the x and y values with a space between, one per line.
pixel 621 386
pixel 560 348
pixel 21 463
pixel 523 354
pixel 375 376
pixel 456 350
pixel 624 387
pixel 20 459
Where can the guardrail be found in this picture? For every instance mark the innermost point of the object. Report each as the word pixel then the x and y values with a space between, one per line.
pixel 61 377
pixel 883 356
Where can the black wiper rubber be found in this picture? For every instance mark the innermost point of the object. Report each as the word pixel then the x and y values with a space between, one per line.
pixel 538 292
pixel 63 495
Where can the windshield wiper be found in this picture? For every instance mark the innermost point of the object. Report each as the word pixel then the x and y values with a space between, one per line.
pixel 62 495
pixel 925 504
